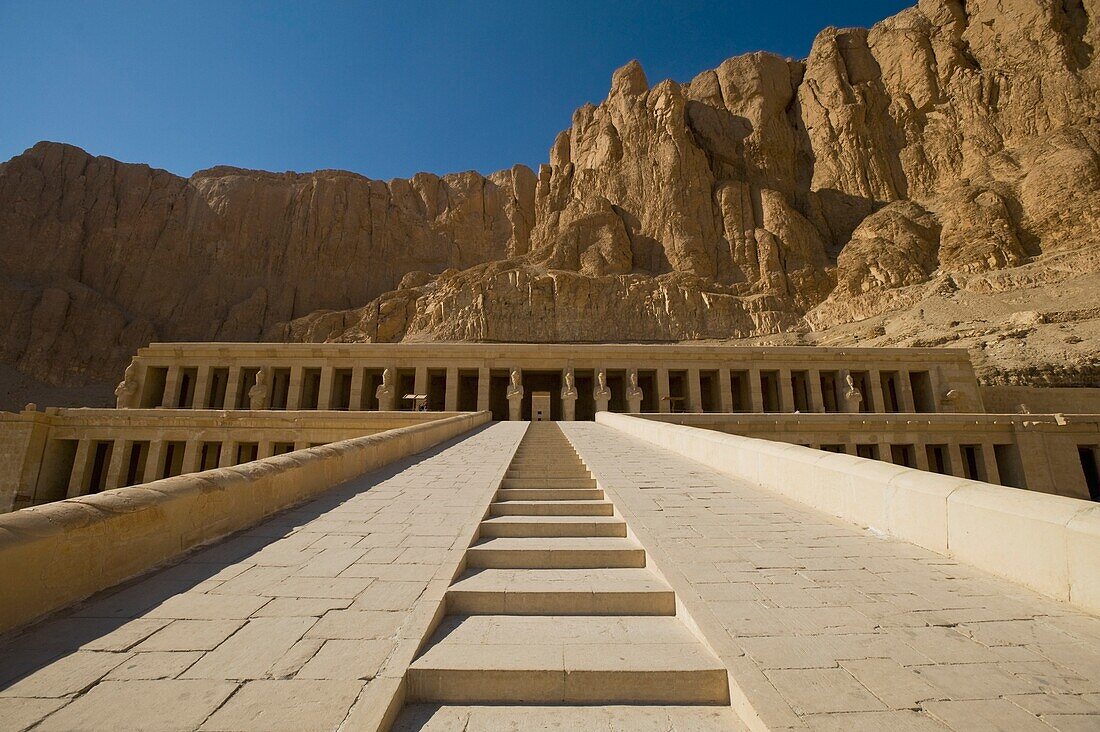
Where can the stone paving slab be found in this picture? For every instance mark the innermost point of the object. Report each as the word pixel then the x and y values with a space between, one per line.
pixel 824 625
pixel 304 622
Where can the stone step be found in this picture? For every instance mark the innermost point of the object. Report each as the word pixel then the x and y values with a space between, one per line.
pixel 553 474
pixel 560 659
pixel 551 508
pixel 549 494
pixel 555 553
pixel 557 464
pixel 535 526
pixel 535 718
pixel 561 592
pixel 579 481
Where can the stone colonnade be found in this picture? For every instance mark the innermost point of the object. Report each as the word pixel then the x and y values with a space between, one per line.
pixel 692 389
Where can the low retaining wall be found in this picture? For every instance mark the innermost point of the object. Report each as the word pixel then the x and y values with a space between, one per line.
pixel 1048 543
pixel 56 554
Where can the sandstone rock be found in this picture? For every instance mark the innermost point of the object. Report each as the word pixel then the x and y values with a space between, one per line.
pixel 950 152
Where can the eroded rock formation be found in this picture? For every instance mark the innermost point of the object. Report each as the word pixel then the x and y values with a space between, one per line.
pixel 952 149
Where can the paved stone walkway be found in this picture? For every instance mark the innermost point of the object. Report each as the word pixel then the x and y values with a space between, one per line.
pixel 826 626
pixel 306 622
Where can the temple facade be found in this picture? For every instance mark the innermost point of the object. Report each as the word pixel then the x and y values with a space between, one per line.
pixel 187 407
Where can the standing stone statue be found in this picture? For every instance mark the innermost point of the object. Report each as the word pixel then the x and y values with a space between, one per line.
pixel 569 397
pixel 385 392
pixel 515 396
pixel 126 391
pixel 259 396
pixel 602 394
pixel 634 393
pixel 852 395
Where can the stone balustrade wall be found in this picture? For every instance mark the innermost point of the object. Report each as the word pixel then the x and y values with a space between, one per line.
pixel 1046 542
pixel 54 555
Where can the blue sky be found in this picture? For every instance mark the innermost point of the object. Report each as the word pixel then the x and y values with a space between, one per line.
pixel 383 89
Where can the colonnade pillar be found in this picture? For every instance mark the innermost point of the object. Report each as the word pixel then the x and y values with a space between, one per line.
pixel 921 454
pixel 171 387
pixel 878 401
pixel 227 458
pixel 725 390
pixel 80 469
pixel 756 391
pixel 420 383
pixel 116 471
pixel 202 387
pixel 955 453
pixel 358 377
pixel 483 379
pixel 324 389
pixel 992 472
pixel 905 393
pixel 294 393
pixel 786 390
pixel 817 399
pixel 232 388
pixel 694 389
pixel 450 399
pixel 192 457
pixel 664 405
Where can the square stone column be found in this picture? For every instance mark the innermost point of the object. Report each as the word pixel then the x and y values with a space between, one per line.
pixel 294 392
pixel 936 381
pixel 171 388
pixel 921 453
pixel 227 457
pixel 301 444
pixel 78 478
pixel 192 457
pixel 725 390
pixel 420 383
pixel 265 449
pixel 202 387
pixel 116 472
pixel 992 472
pixel 694 389
pixel 955 454
pixel 663 404
pixel 324 389
pixel 232 393
pixel 817 399
pixel 450 398
pixel 154 460
pixel 885 454
pixel 358 378
pixel 786 390
pixel 877 396
pixel 905 393
pixel 483 380
pixel 756 390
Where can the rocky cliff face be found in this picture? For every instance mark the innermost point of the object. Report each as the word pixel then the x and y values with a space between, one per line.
pixel 949 154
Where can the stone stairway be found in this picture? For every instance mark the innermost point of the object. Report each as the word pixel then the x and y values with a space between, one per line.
pixel 557 607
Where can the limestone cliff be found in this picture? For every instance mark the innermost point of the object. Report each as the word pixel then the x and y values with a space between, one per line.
pixel 948 155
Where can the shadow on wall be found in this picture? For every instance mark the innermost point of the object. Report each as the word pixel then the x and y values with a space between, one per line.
pixel 17 389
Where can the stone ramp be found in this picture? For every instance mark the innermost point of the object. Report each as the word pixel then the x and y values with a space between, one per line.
pixel 300 623
pixel 824 625
pixel 561 610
